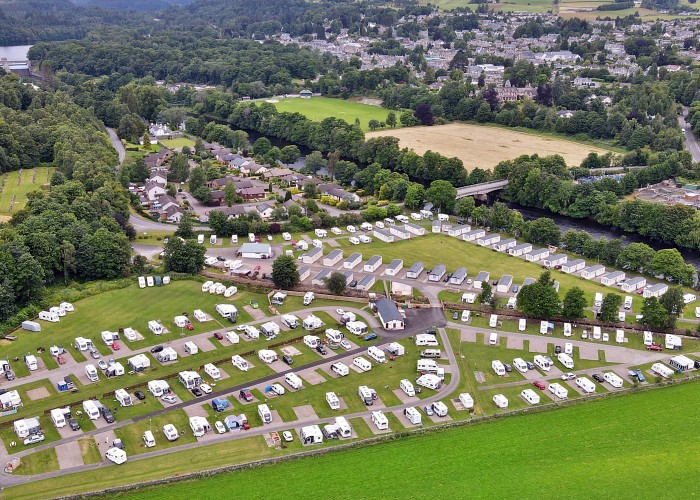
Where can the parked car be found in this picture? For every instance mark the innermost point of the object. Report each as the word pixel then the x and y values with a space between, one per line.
pixel 102 365
pixel 288 359
pixel 321 350
pixel 220 258
pixel 220 428
pixel 455 315
pixel 508 367
pixel 95 353
pixel 428 410
pixel 140 395
pixel 370 336
pixel 157 349
pixel 169 398
pixel 530 366
pixel 654 347
pixel 245 395
pixel 353 284
pixel 640 376
pixel 196 391
pixel 73 424
pixel 34 438
pixel 107 415
pixel 205 388
pixel 568 376
pixel 598 378
pixel 516 288
pixel 287 436
pixel 254 304
pixel 190 326
pixel 218 336
pixel 345 344
pixel 540 385
pixel 557 350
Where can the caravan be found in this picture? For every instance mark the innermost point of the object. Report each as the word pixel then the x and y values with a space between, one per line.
pixel 530 396
pixel 500 401
pixel 362 364
pixel 380 420
pixel 59 416
pixel 493 321
pixel 155 327
pixel 91 373
pixel 49 316
pixel 333 401
pixel 426 366
pixel 407 387
pixel 520 365
pixel 565 360
pixel 233 337
pixel 340 368
pixel 240 363
pixel 413 416
pixel 567 329
pixel 558 390
pixel 613 379
pixel 542 363
pixel 367 395
pixel 290 320
pixel 293 381
pixel 334 335
pixel 522 324
pixel 493 338
pixel 90 409
pixel 429 381
pixel 467 401
pixel 158 387
pixel 425 339
pixel 142 282
pixel 498 368
pixel 585 385
pixel 376 354
pixel 265 414
pixel 356 327
pixel 267 356
pixel 212 371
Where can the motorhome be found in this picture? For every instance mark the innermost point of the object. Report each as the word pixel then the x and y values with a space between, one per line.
pixel 332 400
pixel 429 381
pixel 212 371
pixel 425 339
pixel 311 341
pixel 265 414
pixel 585 384
pixel 426 366
pixel 91 373
pixel 367 395
pixel 613 379
pixel 239 363
pixel 362 364
pixel 308 298
pixel 267 356
pixel 407 387
pixel 340 368
pixel 334 335
pixel 290 320
pixel 293 380
pixel 148 440
pixel 413 415
pixel 493 338
pixel 31 362
pixel 356 327
pixel 558 390
pixel 380 420
pixel 376 354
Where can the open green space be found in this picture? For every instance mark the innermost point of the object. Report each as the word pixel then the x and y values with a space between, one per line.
pixel 39 462
pixel 132 434
pixel 529 450
pixel 29 180
pixel 178 142
pixel 89 450
pixel 320 108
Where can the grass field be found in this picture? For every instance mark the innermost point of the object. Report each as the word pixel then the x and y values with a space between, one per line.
pixel 607 459
pixel 178 142
pixel 318 108
pixel 31 179
pixel 483 146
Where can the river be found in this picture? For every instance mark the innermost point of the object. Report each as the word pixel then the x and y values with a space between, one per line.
pixel 17 53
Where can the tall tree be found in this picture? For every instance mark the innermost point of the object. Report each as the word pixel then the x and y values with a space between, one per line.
pixel 187 257
pixel 574 303
pixel 186 227
pixel 391 119
pixel 336 283
pixel 486 295
pixel 672 300
pixel 538 301
pixel 179 169
pixel 285 274
pixel 230 194
pixel 443 195
pixel 68 258
pixel 654 315
pixel 290 154
pixel 314 162
pixel 610 308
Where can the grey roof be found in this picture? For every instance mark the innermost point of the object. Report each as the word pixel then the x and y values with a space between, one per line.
pixel 504 242
pixel 437 223
pixel 528 281
pixel 460 228
pixel 322 274
pixel 614 274
pixel 304 270
pixel 395 263
pixel 374 259
pixel 348 275
pixel 482 276
pixel 416 267
pixel 413 226
pixel 658 286
pixel 388 311
pixel 522 246
pixel 538 251
pixel 460 273
pixel 558 256
pixel 314 251
pixel 491 236
pixel 595 268
pixel 366 279
pixel 383 232
pixel 437 270
pixel 635 280
pixel 354 257
pixel 255 248
pixel 506 279
pixel 334 254
pixel 575 262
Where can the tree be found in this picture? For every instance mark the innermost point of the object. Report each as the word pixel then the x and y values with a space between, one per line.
pixel 185 228
pixel 538 300
pixel 130 127
pixel 336 283
pixel 203 194
pixel 408 119
pixel 345 172
pixel 332 162
pixel 140 171
pixel 29 279
pixel 273 155
pixel 672 301
pixel 391 119
pixel 544 231
pixel 611 307
pixel 314 162
pixel 290 154
pixel 465 206
pixel 146 141
pixel 183 257
pixel 414 196
pixel 424 114
pixel 230 194
pixel 186 150
pixel 442 194
pixel 654 314
pixel 68 258
pixel 635 257
pixel 261 146
pixel 179 169
pixel 486 295
pixel 373 124
pixel 197 178
pixel 285 274
pixel 669 263
pixel 310 190
pixel 574 303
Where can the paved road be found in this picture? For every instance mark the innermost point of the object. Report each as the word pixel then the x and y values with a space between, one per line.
pixel 691 143
pixel 142 224
pixel 117 144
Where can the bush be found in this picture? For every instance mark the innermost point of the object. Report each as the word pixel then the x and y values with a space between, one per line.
pixel 343 205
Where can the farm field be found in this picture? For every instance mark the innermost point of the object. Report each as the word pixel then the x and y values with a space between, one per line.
pixel 591 456
pixel 319 108
pixel 483 146
pixel 31 179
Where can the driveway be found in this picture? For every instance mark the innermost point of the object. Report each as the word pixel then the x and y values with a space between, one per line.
pixel 117 145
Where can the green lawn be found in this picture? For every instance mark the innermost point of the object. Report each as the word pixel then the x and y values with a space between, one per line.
pixel 319 108
pixel 32 179
pixel 132 434
pixel 607 460
pixel 39 462
pixel 178 142
pixel 89 450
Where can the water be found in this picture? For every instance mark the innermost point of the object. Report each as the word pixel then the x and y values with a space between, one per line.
pixel 15 53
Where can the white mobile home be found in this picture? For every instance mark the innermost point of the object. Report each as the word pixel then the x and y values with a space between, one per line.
pixel 399 232
pixel 522 324
pixel 366 282
pixel 311 341
pixel 191 347
pixel 373 264
pixel 537 254
pixel 555 260
pixel 585 384
pixel 480 279
pixel 473 235
pixel 91 410
pixel 255 251
pixel 199 426
pixel 352 261
pixel 319 279
pixel 567 329
pixel 333 258
pixel 240 363
pixel 558 390
pixel 592 271
pixel 270 330
pixel 648 338
pixel 573 266
pixel 82 344
pixel 394 267
pixel 49 316
pixel 504 283
pixel 620 336
pixel 493 322
pixel 425 339
pixel 437 273
pixel 530 396
pixel 233 337
pixel 415 229
pixel 613 278
pixel 59 415
pixel 521 249
pixel 458 276
pixel 415 270
pixel 383 235
pixel 312 255
pixel 520 365
pixel 662 370
pixel 320 233
pixel 459 231
pixel 656 290
pixel 505 245
pixel 488 239
pixel 633 284
pixel 265 414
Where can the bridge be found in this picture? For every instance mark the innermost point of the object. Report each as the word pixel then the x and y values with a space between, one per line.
pixel 481 189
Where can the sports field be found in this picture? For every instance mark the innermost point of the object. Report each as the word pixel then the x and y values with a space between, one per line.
pixel 177 143
pixel 17 184
pixel 318 108
pixel 484 146
pixel 604 449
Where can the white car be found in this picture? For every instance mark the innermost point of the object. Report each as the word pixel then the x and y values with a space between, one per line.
pixel 102 365
pixel 169 398
pixel 205 388
pixel 34 438
pixel 287 436
pixel 286 237
pixel 340 311
pixel 240 328
pixel 345 344
pixel 170 432
pixel 568 376
pixel 220 428
pixel 269 237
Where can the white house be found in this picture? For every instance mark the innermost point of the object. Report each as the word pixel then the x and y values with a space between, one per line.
pixel 518 250
pixel 593 271
pixel 656 290
pixel 352 261
pixel 573 266
pixel 415 229
pixel 383 235
pixel 415 270
pixel 304 273
pixel 319 279
pixel 613 278
pixel 394 267
pixel 480 279
pixel 488 239
pixel 400 232
pixel 312 255
pixel 555 260
pixel 373 264
pixel 537 254
pixel 389 315
pixel 333 258
pixel 437 273
pixel 473 235
pixel 366 282
pixel 458 231
pixel 255 251
pixel 633 284
pixel 458 276
pixel 505 245
pixel 504 283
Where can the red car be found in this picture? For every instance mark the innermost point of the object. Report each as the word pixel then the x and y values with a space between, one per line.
pixel 654 347
pixel 539 385
pixel 189 326
pixel 218 336
pixel 115 346
pixel 256 268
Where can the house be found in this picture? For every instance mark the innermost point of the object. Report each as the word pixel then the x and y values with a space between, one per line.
pixel 415 270
pixel 384 235
pixel 436 273
pixel 172 214
pixel 304 272
pixel 153 190
pixel 389 314
pixel 294 180
pixel 253 168
pixel 221 182
pixel 436 226
pixel 473 235
pixel 243 184
pixel 573 266
pixel 518 250
pixel 633 284
pixel 656 290
pixel 320 278
pixel 366 282
pixel 458 276
pixel 505 245
pixel 333 258
pixel 458 231
pixel 352 261
pixel 488 239
pixel 504 283
pixel 481 278
pixel 252 193
pixel 394 267
pixel 291 203
pixel 537 254
pixel 373 264
pixel 232 212
pixel 613 278
pixel 414 229
pixel 555 260
pixel 592 271
pixel 400 232
pixel 264 210
pixel 337 193
pixel 159 178
pixel 312 255
pixel 255 251
pixel 277 173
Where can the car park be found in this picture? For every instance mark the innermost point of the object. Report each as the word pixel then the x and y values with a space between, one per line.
pixel 140 395
pixel 540 385
pixel 287 436
pixel 196 391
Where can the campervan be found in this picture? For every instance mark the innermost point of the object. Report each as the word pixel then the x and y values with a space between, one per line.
pixel 362 364
pixel 293 380
pixel 116 455
pixel 148 440
pixel 367 395
pixel 31 362
pixel 265 414
pixel 334 335
pixel 466 315
pixel 493 338
pixel 413 416
pixel 376 354
pixel 407 387
pixel 429 381
pixel 290 320
pixel 91 373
